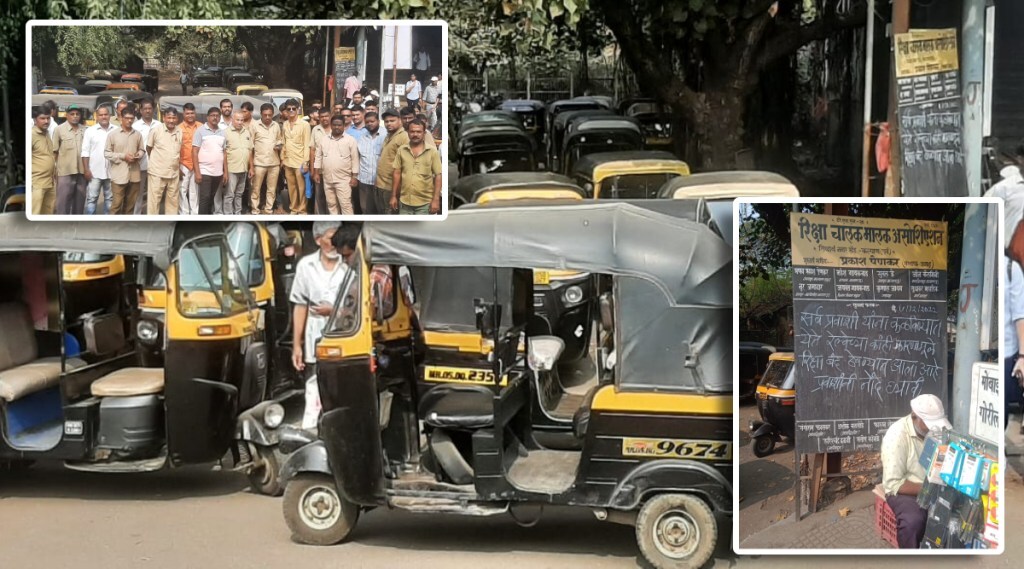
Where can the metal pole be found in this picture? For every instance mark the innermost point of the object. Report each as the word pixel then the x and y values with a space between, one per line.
pixel 900 25
pixel 869 69
pixel 394 73
pixel 972 78
pixel 383 38
pixel 968 322
pixel 528 84
pixel 327 56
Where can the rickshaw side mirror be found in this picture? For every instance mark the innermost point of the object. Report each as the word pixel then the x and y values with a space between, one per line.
pixel 488 317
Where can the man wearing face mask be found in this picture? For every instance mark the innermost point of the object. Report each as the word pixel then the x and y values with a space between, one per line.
pixel 318 278
pixel 902 473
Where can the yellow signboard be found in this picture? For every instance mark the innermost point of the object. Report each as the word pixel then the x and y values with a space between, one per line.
pixel 344 54
pixel 868 242
pixel 920 52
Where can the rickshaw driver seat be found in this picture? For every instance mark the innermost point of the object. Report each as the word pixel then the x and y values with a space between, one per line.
pixel 130 381
pixel 464 407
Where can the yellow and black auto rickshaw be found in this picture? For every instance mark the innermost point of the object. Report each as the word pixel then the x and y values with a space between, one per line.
pixel 82 397
pixel 776 402
pixel 627 175
pixel 12 199
pixel 87 104
pixel 655 437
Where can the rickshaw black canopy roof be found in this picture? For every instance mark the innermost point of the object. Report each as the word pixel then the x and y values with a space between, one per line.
pixel 85 101
pixel 563 119
pixel 685 259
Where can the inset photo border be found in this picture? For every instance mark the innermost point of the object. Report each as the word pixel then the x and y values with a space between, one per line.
pixel 824 290
pixel 256 66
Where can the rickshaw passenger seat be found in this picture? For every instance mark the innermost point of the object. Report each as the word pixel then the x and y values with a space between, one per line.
pixel 22 371
pixel 581 418
pixel 465 407
pixel 129 381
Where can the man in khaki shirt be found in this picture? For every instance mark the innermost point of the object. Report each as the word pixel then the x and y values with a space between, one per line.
pixel 163 146
pixel 396 138
pixel 337 162
pixel 267 142
pixel 43 164
pixel 238 163
pixel 416 188
pixel 295 156
pixel 67 143
pixel 322 126
pixel 124 152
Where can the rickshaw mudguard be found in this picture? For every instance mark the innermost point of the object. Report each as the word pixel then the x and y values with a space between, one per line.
pixel 310 458
pixel 676 476
pixel 350 429
pixel 761 428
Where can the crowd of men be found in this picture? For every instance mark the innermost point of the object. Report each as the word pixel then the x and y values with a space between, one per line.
pixel 349 159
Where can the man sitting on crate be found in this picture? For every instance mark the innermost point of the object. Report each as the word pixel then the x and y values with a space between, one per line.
pixel 902 473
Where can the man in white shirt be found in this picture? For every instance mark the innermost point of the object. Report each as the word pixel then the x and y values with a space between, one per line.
pixel 1013 334
pixel 412 92
pixel 902 473
pixel 94 163
pixel 318 279
pixel 142 126
pixel 430 97
pixel 1011 190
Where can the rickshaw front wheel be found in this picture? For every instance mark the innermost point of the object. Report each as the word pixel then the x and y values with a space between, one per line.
pixel 263 479
pixel 676 531
pixel 315 512
pixel 764 445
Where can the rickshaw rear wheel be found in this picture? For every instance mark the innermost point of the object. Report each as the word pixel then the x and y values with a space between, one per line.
pixel 763 445
pixel 315 512
pixel 676 531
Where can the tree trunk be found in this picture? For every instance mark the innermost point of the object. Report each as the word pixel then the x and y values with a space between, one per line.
pixel 718 128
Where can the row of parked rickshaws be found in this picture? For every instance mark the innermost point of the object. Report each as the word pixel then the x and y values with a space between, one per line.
pixel 526 135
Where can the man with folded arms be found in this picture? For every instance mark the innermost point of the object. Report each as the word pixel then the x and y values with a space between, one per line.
pixel 124 152
pixel 337 161
pixel 67 143
pixel 163 146
pixel 267 142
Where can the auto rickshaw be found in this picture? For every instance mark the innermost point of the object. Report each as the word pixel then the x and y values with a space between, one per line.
pixel 78 394
pixel 203 79
pixel 627 175
pixel 655 440
pixel 251 89
pixel 51 90
pixel 776 403
pixel 86 103
pixel 753 361
pixel 151 79
pixel 279 96
pixel 204 103
pixel 122 86
pixel 559 126
pixel 12 199
pixel 492 148
pixel 507 118
pixel 589 135
pixel 565 105
pixel 532 113
pixel 655 120
pixel 721 188
pixel 564 299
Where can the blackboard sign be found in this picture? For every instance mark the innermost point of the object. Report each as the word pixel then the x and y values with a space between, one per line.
pixel 344 67
pixel 929 109
pixel 869 304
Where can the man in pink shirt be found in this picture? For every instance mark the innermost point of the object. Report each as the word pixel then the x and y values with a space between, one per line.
pixel 352 84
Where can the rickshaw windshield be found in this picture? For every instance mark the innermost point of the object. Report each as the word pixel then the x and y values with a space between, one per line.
pixel 499 162
pixel 446 296
pixel 778 375
pixel 209 284
pixel 244 240
pixel 83 257
pixel 634 186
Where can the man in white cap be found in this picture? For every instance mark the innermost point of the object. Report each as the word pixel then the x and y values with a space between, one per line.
pixel 902 473
pixel 430 95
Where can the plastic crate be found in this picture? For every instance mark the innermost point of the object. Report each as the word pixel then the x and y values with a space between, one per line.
pixel 885 520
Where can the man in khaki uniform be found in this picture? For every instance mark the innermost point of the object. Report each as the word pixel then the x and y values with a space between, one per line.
pixel 163 146
pixel 322 121
pixel 396 138
pixel 295 156
pixel 43 164
pixel 124 152
pixel 238 163
pixel 267 142
pixel 337 162
pixel 67 143
pixel 416 188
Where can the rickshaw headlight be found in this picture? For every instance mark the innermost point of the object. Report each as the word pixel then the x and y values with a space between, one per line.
pixel 544 352
pixel 573 295
pixel 147 331
pixel 273 416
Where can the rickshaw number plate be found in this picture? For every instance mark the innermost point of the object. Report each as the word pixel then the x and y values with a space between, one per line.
pixel 677 448
pixel 541 277
pixel 460 375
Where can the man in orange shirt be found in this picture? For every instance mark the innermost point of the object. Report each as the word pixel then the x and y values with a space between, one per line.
pixel 188 204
